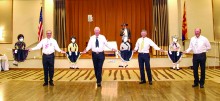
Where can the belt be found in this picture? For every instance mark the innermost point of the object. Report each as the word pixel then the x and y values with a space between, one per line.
pixel 98 52
pixel 199 53
pixel 143 53
pixel 48 54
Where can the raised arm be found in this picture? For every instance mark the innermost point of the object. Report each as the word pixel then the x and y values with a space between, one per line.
pixel 152 44
pixel 89 46
pixel 39 46
pixel 56 47
pixel 190 47
pixel 106 43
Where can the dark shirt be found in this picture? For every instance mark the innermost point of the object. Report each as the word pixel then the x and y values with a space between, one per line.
pixel 20 45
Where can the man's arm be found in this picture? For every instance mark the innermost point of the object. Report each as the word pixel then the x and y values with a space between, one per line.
pixel 136 46
pixel 107 45
pixel 56 47
pixel 208 45
pixel 39 46
pixel 89 46
pixel 190 47
pixel 152 44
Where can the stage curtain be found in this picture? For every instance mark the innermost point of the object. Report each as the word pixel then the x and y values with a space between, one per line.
pixel 60 24
pixel 160 25
pixel 108 15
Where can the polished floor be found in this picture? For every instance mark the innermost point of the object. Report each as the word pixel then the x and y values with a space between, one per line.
pixel 109 74
pixel 117 85
pixel 20 90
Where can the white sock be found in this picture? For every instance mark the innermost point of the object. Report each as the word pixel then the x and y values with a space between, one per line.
pixel 177 66
pixel 173 65
pixel 76 66
pixel 122 63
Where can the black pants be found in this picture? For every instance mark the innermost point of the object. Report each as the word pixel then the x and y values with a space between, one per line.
pixel 48 64
pixel 199 59
pixel 144 58
pixel 98 60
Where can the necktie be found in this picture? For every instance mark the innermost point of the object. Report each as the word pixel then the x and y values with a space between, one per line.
pixel 97 42
pixel 142 44
pixel 175 44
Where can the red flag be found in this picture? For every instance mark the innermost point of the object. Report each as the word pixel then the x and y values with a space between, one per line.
pixel 184 24
pixel 40 27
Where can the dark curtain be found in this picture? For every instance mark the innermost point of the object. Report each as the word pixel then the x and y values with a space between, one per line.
pixel 160 25
pixel 108 15
pixel 60 24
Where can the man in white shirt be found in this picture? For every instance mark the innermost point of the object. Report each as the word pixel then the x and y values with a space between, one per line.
pixel 142 46
pixel 97 43
pixel 199 45
pixel 49 46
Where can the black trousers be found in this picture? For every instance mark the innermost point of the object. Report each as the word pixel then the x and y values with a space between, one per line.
pixel 199 59
pixel 98 60
pixel 48 64
pixel 144 59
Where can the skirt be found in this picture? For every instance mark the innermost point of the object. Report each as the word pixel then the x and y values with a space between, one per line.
pixel 21 55
pixel 174 56
pixel 73 57
pixel 125 55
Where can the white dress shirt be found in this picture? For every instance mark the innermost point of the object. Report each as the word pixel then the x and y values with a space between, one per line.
pixel 125 32
pixel 49 46
pixel 102 43
pixel 199 45
pixel 147 43
pixel 125 46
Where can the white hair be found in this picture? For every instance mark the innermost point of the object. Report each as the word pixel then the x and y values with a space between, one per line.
pixel 96 28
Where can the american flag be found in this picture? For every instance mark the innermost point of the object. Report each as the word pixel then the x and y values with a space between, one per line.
pixel 40 27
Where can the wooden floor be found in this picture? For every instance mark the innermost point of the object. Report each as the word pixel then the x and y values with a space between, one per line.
pixel 118 85
pixel 117 74
pixel 19 90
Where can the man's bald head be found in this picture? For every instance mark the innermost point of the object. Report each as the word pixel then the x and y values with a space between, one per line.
pixel 197 32
pixel 49 34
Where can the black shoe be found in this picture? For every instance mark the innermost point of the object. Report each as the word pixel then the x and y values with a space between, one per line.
pixel 120 66
pixel 72 68
pixel 51 84
pixel 45 84
pixel 195 85
pixel 77 67
pixel 142 82
pixel 150 82
pixel 201 86
pixel 15 64
pixel 126 66
pixel 99 85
